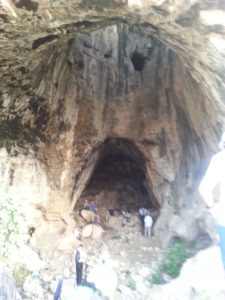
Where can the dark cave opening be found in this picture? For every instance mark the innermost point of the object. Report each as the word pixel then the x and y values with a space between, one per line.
pixel 138 61
pixel 26 4
pixel 119 177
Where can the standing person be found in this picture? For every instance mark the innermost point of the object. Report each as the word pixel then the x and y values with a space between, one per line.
pixel 126 217
pixel 147 225
pixel 215 176
pixel 80 258
pixel 142 213
pixel 109 214
pixel 58 290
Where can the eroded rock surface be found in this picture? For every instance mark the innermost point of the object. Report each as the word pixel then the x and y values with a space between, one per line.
pixel 147 95
pixel 114 94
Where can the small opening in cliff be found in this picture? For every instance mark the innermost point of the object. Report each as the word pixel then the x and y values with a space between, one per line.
pixel 119 177
pixel 26 4
pixel 138 61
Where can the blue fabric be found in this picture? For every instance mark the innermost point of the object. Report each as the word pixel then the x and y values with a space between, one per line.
pixel 221 232
pixel 58 290
pixel 93 207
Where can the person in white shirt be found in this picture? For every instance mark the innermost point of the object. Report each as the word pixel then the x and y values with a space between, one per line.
pixel 142 213
pixel 147 225
pixel 215 177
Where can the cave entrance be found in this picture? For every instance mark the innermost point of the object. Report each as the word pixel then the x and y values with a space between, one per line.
pixel 118 179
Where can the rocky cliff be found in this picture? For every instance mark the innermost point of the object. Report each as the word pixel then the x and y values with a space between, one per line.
pixel 100 84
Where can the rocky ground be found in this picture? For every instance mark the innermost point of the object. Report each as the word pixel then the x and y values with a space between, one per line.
pixel 134 258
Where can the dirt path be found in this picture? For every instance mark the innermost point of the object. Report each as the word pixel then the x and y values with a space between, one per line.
pixel 131 252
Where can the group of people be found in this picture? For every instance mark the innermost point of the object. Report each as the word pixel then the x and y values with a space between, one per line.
pixel 145 217
pixel 93 208
pixel 214 176
pixel 90 206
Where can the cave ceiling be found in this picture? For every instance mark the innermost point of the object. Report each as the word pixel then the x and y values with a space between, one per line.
pixel 193 29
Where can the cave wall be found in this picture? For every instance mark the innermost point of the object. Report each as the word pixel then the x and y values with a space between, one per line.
pixel 87 91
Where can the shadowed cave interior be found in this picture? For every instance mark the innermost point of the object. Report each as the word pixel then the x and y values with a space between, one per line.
pixel 119 178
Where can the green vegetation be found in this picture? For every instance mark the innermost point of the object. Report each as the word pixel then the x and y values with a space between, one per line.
pixel 115 235
pixel 19 274
pixel 171 265
pixel 12 222
pixel 157 278
pixel 131 284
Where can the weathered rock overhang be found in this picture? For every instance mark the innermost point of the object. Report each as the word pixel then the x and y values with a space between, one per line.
pixel 193 30
pixel 61 90
pixel 184 26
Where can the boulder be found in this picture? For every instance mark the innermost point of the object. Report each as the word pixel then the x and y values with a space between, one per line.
pixel 104 278
pixel 45 237
pixel 70 292
pixel 97 231
pixel 92 230
pixel 87 231
pixel 201 277
pixel 66 244
pixel 28 257
pixel 88 215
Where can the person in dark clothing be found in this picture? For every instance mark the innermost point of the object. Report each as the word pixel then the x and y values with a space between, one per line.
pixel 93 207
pixel 58 290
pixel 79 260
pixel 111 211
pixel 64 277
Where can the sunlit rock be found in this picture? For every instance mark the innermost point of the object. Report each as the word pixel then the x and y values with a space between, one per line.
pixel 201 276
pixel 88 215
pixel 123 99
pixel 92 230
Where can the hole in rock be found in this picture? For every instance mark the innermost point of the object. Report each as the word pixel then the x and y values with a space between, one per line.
pixel 40 41
pixel 119 180
pixel 31 230
pixel 26 4
pixel 138 61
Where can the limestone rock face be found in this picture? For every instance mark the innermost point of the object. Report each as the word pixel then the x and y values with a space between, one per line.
pixel 145 98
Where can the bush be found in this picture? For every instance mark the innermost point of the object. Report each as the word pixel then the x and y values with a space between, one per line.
pixel 157 278
pixel 12 222
pixel 131 284
pixel 172 263
pixel 19 274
